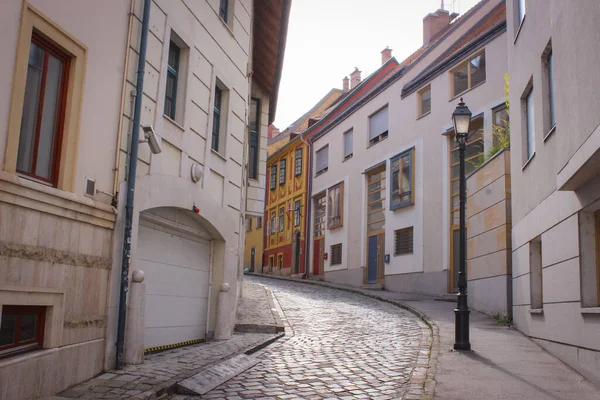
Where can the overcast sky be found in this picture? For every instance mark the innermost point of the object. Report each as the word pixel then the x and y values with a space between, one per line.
pixel 328 38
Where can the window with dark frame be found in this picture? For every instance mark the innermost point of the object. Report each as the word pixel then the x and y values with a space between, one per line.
pixel 172 72
pixel 224 10
pixel 249 225
pixel 282 170
pixel 402 180
pixel 281 218
pixel 335 206
pixel 322 160
pixel 468 74
pixel 253 150
pixel 259 222
pixel 378 126
pixel 425 101
pixel 403 241
pixel 43 111
pixel 336 254
pixel 216 130
pixel 298 162
pixel 297 213
pixel 273 177
pixel 21 329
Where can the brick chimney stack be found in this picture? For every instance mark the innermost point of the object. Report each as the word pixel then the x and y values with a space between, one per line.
pixel 346 84
pixel 433 23
pixel 354 78
pixel 386 54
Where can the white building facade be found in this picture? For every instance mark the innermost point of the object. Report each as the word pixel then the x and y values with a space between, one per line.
pixel 555 143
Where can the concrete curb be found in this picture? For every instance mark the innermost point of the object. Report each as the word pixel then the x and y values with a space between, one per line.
pixel 423 375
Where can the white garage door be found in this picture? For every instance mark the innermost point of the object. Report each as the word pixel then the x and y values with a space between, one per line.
pixel 176 265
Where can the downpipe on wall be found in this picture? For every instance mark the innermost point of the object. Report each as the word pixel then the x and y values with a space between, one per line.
pixel 135 134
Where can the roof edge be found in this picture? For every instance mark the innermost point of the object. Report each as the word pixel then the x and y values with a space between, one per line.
pixel 285 19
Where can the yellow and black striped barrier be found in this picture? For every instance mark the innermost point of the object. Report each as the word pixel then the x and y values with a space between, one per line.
pixel 156 349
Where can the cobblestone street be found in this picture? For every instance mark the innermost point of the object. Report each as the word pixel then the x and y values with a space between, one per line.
pixel 340 345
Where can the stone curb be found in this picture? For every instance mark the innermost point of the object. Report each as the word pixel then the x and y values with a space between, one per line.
pixel 423 375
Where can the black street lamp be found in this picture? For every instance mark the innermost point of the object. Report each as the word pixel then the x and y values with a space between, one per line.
pixel 461 118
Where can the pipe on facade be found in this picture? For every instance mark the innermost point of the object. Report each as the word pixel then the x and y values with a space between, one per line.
pixel 308 209
pixel 124 83
pixel 135 134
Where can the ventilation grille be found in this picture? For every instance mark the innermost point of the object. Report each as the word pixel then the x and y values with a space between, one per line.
pixel 336 254
pixel 403 243
pixel 90 187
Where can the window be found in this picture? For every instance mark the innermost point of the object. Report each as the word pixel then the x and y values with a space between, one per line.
pixel 21 328
pixel 549 112
pixel 376 200
pixel 402 180
pixel 500 123
pixel 172 72
pixel 281 218
pixel 43 111
pixel 378 126
pixel 249 225
pixel 298 162
pixel 273 223
pixel 282 164
pixel 403 241
pixel 468 75
pixel 424 96
pixel 336 254
pixel 521 9
pixel 216 130
pixel 224 10
pixel 297 213
pixel 273 178
pixel 322 160
pixel 348 144
pixel 253 142
pixel 335 206
pixel 280 260
pixel 320 211
pixel 535 270
pixel 530 126
pixel 259 222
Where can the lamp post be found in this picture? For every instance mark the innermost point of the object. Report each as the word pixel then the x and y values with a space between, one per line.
pixel 461 119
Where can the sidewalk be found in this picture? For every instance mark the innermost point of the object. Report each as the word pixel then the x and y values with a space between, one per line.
pixel 503 363
pixel 160 372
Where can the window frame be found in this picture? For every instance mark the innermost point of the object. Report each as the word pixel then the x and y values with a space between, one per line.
pixel 273 177
pixel 331 223
pixel 216 128
pixel 174 73
pixel 529 137
pixel 461 65
pixel 249 225
pixel 273 222
pixel 410 153
pixel 412 241
pixel 282 171
pixel 254 142
pixel 549 88
pixel 281 221
pixel 298 161
pixel 224 10
pixel 27 345
pixel 259 222
pixel 383 135
pixel 348 154
pixel 420 92
pixel 324 169
pixel 297 205
pixel 320 215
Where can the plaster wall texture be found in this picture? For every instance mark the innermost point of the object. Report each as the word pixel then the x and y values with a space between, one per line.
pixel 430 215
pixel 550 199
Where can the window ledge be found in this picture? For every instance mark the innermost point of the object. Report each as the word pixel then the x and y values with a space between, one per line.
pixel 221 156
pixel 165 116
pixel 349 156
pixel 519 30
pixel 423 115
pixel 321 172
pixel 590 310
pixel 226 25
pixel 22 357
pixel 536 311
pixel 376 143
pixel 467 91
pixel 401 206
pixel 552 130
pixel 527 162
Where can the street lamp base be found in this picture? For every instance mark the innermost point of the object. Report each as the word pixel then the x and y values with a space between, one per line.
pixel 461 329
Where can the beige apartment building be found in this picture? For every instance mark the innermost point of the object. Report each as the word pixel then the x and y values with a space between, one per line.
pixel 385 174
pixel 211 79
pixel 555 159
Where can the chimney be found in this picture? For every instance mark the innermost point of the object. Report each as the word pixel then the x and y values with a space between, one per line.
pixel 272 131
pixel 346 84
pixel 354 78
pixel 433 23
pixel 386 54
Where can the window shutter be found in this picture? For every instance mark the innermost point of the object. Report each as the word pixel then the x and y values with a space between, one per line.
pixel 403 241
pixel 378 123
pixel 322 158
pixel 336 254
pixel 348 143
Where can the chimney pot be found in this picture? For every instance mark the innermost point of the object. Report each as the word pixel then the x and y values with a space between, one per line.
pixel 433 23
pixel 354 78
pixel 386 54
pixel 346 84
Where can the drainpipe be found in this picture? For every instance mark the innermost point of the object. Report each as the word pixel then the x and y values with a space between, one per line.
pixel 308 209
pixel 135 134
